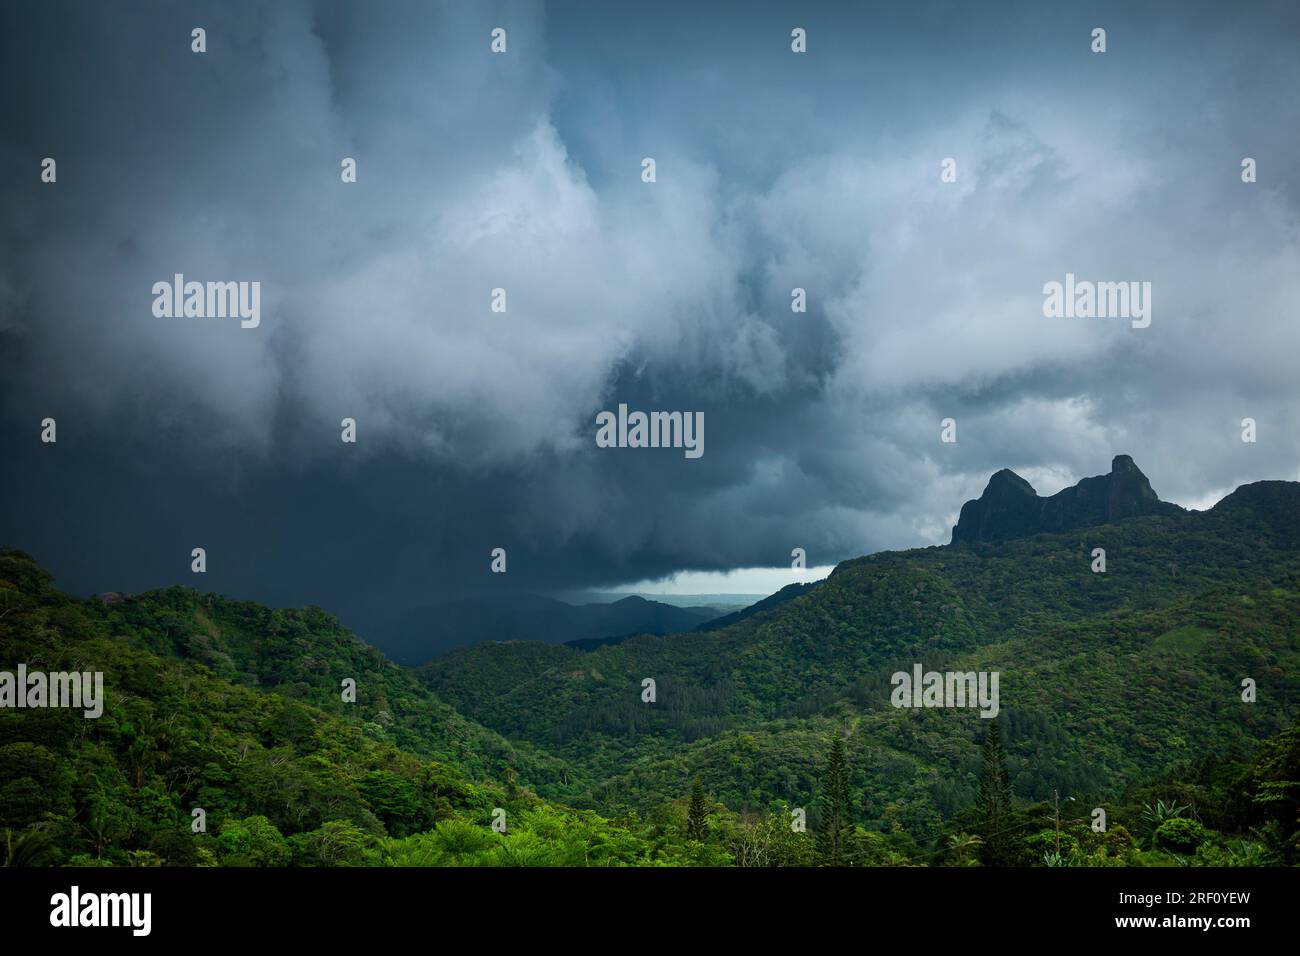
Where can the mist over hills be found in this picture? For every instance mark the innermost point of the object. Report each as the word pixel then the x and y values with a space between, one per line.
pixel 1009 508
pixel 1115 687
pixel 310 312
pixel 787 593
pixel 413 637
pixel 1106 677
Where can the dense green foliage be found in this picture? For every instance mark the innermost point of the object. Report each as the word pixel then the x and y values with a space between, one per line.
pixel 834 836
pixel 289 776
pixel 994 804
pixel 1121 690
pixel 1106 679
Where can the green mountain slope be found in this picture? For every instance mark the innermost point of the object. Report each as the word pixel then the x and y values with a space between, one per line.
pixel 234 710
pixel 1120 690
pixel 305 655
pixel 1106 677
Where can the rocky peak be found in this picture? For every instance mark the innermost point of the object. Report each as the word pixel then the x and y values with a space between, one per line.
pixel 1011 508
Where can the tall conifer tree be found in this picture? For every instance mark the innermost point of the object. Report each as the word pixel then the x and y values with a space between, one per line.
pixel 833 836
pixel 994 799
pixel 698 813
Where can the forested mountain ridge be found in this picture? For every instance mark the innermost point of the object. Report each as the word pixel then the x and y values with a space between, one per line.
pixel 414 635
pixel 876 610
pixel 1121 689
pixel 224 740
pixel 787 593
pixel 306 654
pixel 1190 603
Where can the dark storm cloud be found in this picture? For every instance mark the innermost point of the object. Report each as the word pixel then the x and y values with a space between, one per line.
pixel 522 171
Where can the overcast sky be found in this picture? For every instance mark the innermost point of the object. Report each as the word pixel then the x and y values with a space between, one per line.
pixel 522 171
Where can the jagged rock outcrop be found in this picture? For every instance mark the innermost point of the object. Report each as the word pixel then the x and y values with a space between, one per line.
pixel 1011 508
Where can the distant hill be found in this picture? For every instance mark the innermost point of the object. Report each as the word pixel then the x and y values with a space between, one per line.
pixel 236 708
pixel 417 635
pixel 1107 678
pixel 1118 689
pixel 787 593
pixel 722 602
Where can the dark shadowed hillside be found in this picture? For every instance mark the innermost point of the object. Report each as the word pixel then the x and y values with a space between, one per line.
pixel 417 635
pixel 1120 689
pixel 1011 508
pixel 1106 677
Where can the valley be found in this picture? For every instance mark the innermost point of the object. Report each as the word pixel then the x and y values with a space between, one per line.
pixel 1113 687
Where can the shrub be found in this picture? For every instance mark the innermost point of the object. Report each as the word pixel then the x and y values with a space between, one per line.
pixel 1179 835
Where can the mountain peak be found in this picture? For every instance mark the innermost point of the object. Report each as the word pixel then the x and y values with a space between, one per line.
pixel 1011 508
pixel 1007 480
pixel 1123 463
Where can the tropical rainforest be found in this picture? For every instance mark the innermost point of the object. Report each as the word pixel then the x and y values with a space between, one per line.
pixel 1148 717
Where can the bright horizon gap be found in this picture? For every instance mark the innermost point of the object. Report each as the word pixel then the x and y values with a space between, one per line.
pixel 735 581
pixel 768 581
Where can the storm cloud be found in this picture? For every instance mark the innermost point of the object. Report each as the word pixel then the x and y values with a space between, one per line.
pixel 522 171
